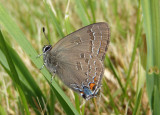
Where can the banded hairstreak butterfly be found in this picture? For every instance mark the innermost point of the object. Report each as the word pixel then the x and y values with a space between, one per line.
pixel 78 58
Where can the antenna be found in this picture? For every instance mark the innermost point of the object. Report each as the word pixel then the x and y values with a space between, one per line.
pixel 45 35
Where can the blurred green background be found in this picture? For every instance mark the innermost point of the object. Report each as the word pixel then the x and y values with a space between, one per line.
pixel 131 82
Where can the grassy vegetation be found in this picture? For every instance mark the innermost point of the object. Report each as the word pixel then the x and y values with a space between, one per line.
pixel 131 79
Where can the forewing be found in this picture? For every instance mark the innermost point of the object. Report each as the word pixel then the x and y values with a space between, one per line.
pixel 92 39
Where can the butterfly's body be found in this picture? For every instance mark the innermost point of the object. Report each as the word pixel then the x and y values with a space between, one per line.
pixel 78 58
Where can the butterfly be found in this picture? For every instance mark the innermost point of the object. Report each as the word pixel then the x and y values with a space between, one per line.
pixel 78 58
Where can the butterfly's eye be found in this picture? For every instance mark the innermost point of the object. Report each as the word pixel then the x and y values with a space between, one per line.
pixel 46 48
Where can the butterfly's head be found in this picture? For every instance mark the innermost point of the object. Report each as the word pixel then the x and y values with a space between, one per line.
pixel 46 48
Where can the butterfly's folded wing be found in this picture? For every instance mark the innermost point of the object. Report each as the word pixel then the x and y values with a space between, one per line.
pixel 80 55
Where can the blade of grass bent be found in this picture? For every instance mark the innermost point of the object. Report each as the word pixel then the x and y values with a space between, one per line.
pixel 30 95
pixel 28 77
pixel 15 77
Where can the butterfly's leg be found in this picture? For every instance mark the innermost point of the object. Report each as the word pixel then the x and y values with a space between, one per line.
pixel 53 76
pixel 52 79
pixel 42 66
pixel 43 63
pixel 39 55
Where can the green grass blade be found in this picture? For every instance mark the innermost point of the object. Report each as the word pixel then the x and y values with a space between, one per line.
pixel 151 13
pixel 115 72
pixel 104 9
pixel 52 102
pixel 34 97
pixel 139 91
pixel 138 103
pixel 83 4
pixel 82 12
pixel 137 38
pixel 2 111
pixel 147 26
pixel 67 23
pixel 55 22
pixel 14 73
pixel 83 110
pixel 111 97
pixel 156 103
pixel 30 96
pixel 77 102
pixel 63 99
pixel 92 5
pixel 27 77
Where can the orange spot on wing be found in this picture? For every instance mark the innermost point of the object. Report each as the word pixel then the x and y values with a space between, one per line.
pixel 91 85
pixel 95 79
